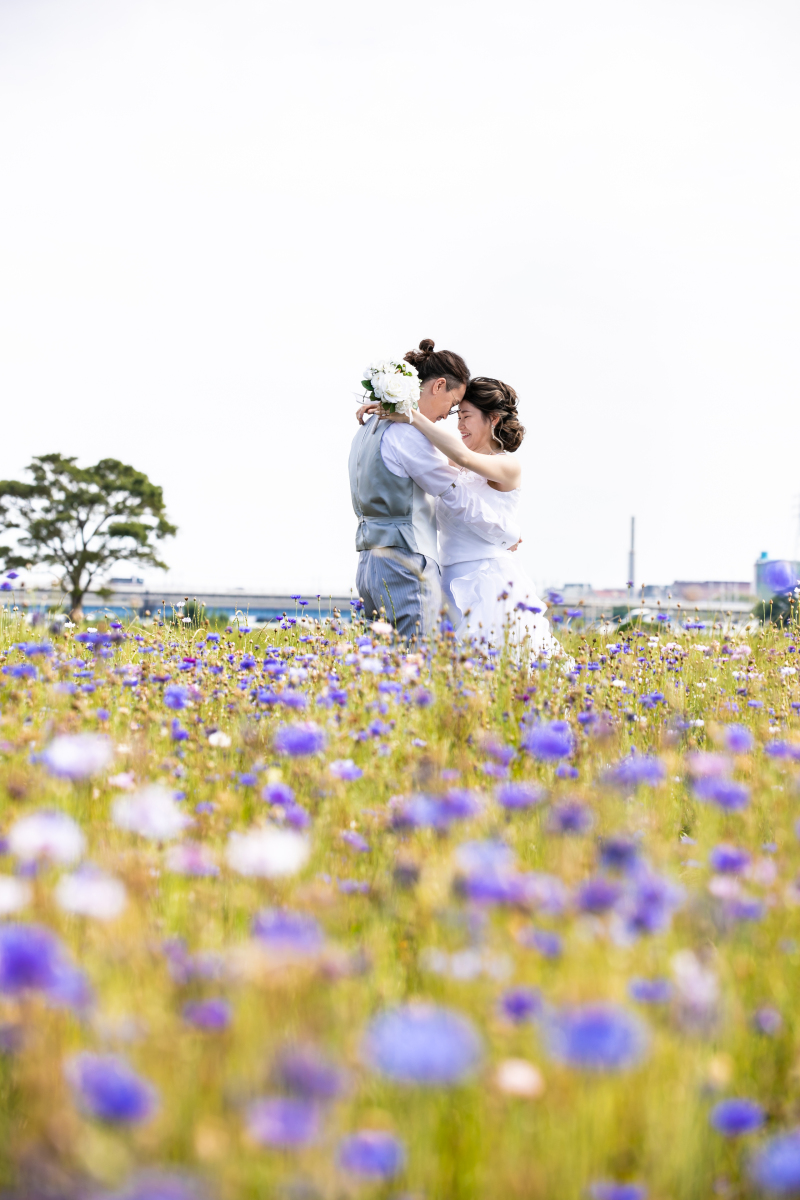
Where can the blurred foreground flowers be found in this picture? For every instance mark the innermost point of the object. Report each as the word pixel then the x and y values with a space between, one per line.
pixel 303 913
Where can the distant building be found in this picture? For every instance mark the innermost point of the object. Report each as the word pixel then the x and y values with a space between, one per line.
pixel 711 589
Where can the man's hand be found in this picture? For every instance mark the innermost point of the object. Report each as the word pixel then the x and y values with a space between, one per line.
pixel 516 546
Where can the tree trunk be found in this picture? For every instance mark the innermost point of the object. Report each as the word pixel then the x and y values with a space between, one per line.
pixel 76 611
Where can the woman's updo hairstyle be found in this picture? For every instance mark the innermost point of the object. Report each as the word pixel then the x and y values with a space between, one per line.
pixel 433 364
pixel 496 399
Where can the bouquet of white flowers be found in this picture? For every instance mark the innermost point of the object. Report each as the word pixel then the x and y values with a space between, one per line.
pixel 394 384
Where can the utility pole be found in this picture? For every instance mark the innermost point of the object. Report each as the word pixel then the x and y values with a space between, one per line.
pixel 632 555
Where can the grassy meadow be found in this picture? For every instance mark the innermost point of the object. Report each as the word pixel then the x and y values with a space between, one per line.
pixel 298 912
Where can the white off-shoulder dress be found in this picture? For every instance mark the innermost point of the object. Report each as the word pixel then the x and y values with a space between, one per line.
pixel 486 589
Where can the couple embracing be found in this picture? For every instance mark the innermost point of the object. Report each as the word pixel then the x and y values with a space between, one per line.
pixel 437 512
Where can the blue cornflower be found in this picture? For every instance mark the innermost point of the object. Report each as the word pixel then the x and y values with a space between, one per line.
pixel 728 860
pixel 619 853
pixel 303 1071
pixel 550 741
pixel 637 770
pixel 210 1015
pixel 105 1086
pixel 780 576
pixel 372 1154
pixel 597 895
pixel 283 930
pixel 278 793
pixel 606 1189
pixel 286 1121
pixel 299 740
pixel 547 943
pixel 31 958
pixel 776 1165
pixel 521 1004
pixel 175 696
pixel 734 1117
pixel 650 991
pixel 648 904
pixel 767 1020
pixel 355 841
pixel 570 817
pixel 738 739
pixel 160 1185
pixel 596 1037
pixel 420 1043
pixel 345 769
pixel 727 794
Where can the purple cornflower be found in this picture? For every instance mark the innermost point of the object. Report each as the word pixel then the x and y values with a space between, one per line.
pixel 549 741
pixel 304 1071
pixel 77 756
pixel 176 696
pixel 619 853
pixel 547 943
pixel 497 750
pixel 767 1020
pixel 637 771
pixel 570 817
pixel 105 1086
pixel 596 1037
pixel 775 1166
pixel 780 576
pixel 285 931
pixel 278 793
pixel 372 1154
pixel 210 1015
pixel 31 959
pixel 727 794
pixel 521 1004
pixel 300 740
pixel 597 895
pixel 355 841
pixel 648 904
pixel 650 991
pixel 738 739
pixel 286 1121
pixel 734 1117
pixel 345 769
pixel 160 1185
pixel 423 698
pixel 519 795
pixel 728 860
pixel 606 1189
pixel 421 1043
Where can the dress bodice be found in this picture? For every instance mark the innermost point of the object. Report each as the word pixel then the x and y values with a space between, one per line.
pixel 458 541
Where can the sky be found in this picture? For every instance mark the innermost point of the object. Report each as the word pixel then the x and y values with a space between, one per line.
pixel 214 214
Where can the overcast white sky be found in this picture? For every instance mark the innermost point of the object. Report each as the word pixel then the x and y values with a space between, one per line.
pixel 214 212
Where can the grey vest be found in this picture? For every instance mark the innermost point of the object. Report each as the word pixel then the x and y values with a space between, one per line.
pixel 391 511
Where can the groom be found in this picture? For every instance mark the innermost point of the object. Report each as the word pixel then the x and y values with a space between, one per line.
pixel 395 477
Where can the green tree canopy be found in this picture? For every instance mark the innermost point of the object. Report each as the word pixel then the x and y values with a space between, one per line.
pixel 82 519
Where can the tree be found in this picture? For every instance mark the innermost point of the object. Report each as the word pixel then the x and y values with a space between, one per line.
pixel 82 519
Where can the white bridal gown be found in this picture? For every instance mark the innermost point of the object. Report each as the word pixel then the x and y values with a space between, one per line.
pixel 483 584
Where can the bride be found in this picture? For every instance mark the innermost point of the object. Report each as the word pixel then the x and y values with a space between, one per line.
pixel 487 593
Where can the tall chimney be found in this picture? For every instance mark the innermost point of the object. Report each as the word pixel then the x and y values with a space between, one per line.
pixel 632 555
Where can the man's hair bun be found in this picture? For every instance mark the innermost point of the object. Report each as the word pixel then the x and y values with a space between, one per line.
pixel 437 364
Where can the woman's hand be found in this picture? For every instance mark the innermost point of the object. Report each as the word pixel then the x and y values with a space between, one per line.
pixel 367 410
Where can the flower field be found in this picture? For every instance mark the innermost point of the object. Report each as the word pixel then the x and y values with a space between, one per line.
pixel 298 913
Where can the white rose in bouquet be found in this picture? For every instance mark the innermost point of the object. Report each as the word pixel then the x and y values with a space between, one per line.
pixel 394 384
